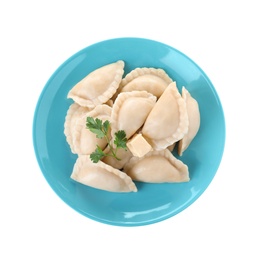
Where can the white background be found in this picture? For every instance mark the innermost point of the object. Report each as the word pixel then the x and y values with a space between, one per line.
pixel 222 37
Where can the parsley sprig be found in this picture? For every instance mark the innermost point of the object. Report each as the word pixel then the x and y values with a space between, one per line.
pixel 101 129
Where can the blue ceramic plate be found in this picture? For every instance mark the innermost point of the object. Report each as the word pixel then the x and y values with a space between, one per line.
pixel 153 202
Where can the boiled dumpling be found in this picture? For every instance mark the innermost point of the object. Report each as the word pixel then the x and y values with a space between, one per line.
pixel 130 111
pixel 84 141
pixel 151 80
pixel 168 121
pixel 74 112
pixel 194 121
pixel 98 86
pixel 157 167
pixel 101 176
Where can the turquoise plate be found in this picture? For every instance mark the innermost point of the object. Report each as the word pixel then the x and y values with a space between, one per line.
pixel 153 202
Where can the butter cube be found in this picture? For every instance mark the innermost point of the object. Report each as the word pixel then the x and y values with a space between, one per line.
pixel 138 145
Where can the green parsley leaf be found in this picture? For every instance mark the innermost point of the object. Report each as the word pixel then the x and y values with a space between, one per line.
pixel 96 127
pixel 106 127
pixel 97 155
pixel 120 139
pixel 101 130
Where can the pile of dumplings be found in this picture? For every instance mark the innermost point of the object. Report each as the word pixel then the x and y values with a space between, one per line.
pixel 155 116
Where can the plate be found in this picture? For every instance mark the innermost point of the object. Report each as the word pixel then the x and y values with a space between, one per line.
pixel 153 202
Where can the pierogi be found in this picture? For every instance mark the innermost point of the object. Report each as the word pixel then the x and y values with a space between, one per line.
pixel 147 106
pixel 101 176
pixel 74 112
pixel 130 111
pixel 168 121
pixel 152 80
pixel 98 86
pixel 83 140
pixel 157 167
pixel 194 121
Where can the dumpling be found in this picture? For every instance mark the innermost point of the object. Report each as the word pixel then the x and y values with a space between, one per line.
pixel 73 114
pixel 101 176
pixel 194 121
pixel 157 167
pixel 152 80
pixel 98 86
pixel 168 121
pixel 84 141
pixel 130 111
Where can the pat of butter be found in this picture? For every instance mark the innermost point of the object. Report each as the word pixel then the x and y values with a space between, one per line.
pixel 138 145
